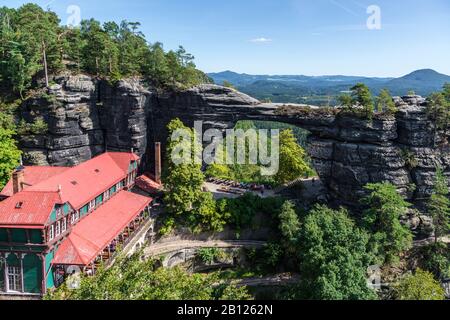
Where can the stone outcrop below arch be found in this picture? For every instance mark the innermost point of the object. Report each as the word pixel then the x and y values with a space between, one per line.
pixel 87 116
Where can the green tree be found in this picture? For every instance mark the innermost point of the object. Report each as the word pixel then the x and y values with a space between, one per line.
pixel 420 286
pixel 439 205
pixel 446 91
pixel 293 162
pixel 385 103
pixel 9 153
pixel 334 258
pixel 382 220
pixel 228 84
pixel 346 101
pixel 438 108
pixel 133 279
pixel 184 181
pixel 435 258
pixel 361 96
pixel 289 222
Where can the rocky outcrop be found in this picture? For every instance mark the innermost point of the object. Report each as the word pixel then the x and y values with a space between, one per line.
pixel 87 116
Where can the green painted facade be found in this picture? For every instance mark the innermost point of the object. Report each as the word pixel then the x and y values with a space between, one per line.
pixel 50 283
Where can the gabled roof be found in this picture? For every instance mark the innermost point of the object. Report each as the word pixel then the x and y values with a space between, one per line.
pixel 84 182
pixel 96 231
pixel 30 209
pixel 77 185
pixel 32 176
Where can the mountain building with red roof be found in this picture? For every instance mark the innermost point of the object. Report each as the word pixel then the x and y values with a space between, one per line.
pixel 54 220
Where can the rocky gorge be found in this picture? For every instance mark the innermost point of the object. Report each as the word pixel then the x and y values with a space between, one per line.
pixel 86 116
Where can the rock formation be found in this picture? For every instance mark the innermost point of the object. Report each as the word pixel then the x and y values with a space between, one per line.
pixel 86 116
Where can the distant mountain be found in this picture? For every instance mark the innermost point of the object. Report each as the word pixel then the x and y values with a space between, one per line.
pixel 324 89
pixel 422 81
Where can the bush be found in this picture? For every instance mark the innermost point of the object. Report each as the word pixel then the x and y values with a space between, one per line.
pixel 420 286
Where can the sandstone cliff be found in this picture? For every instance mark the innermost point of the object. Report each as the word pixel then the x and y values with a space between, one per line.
pixel 86 116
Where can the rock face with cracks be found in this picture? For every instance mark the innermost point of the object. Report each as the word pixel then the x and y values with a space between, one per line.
pixel 87 116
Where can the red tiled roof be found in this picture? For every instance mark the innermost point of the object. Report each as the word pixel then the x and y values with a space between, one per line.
pixel 95 232
pixel 28 208
pixel 147 184
pixel 84 182
pixel 33 175
pixel 79 185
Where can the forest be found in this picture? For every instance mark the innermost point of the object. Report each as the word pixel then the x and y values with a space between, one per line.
pixel 110 50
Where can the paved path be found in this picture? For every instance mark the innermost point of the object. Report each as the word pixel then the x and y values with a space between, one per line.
pixel 218 194
pixel 162 248
pixel 275 280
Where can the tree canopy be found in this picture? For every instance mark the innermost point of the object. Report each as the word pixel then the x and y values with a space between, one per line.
pixel 133 279
pixel 333 257
pixel 184 181
pixel 293 164
pixel 33 43
pixel 385 207
pixel 419 286
pixel 9 153
pixel 439 205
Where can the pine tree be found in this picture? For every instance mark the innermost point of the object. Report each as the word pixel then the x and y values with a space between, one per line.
pixel 439 205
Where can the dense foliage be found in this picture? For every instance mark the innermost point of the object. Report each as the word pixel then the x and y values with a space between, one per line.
pixel 183 181
pixel 420 286
pixel 133 279
pixel 333 257
pixel 243 210
pixel 9 153
pixel 293 164
pixel 289 222
pixel 439 205
pixel 251 173
pixel 360 101
pixel 34 44
pixel 385 207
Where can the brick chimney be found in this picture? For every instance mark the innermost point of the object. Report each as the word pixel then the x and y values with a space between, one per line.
pixel 18 179
pixel 158 169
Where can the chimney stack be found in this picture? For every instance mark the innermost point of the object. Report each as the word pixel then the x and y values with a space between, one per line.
pixel 18 180
pixel 158 169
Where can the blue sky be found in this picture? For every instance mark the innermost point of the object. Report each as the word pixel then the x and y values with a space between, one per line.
pixel 311 37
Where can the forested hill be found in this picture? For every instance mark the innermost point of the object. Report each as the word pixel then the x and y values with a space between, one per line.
pixel 323 90
pixel 33 43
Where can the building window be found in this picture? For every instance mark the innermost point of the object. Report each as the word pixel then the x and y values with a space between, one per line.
pixel 83 211
pixel 58 228
pixel 106 195
pixel 14 279
pixel 92 205
pixel 64 225
pixel 51 233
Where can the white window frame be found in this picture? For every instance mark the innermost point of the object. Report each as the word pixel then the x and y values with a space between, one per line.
pixel 64 225
pixel 91 205
pixel 58 228
pixel 51 232
pixel 16 273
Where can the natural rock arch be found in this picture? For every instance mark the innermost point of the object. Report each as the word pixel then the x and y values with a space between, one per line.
pixel 88 116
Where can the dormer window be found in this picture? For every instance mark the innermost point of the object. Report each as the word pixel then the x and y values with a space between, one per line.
pixel 97 170
pixel 74 183
pixel 19 205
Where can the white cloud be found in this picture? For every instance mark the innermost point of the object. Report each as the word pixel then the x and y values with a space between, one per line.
pixel 261 40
